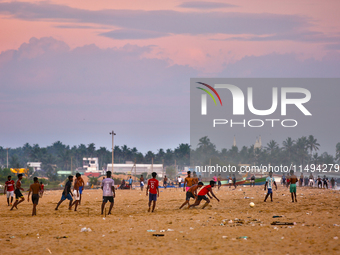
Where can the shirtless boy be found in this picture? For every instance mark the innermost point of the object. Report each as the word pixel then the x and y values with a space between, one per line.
pixel 219 184
pixel 202 195
pixel 81 186
pixel 292 181
pixel 141 181
pixel 35 189
pixel 188 181
pixel 76 191
pixel 192 192
pixel 18 193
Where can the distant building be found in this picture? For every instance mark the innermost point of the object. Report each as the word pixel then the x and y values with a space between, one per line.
pixel 130 168
pixel 91 165
pixel 35 165
pixel 258 143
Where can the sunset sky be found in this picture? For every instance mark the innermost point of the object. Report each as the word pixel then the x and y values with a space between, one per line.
pixel 74 70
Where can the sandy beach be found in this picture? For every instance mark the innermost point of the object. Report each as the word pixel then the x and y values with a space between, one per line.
pixel 190 231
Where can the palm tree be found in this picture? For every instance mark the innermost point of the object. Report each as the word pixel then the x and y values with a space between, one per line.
pixel 288 146
pixel 272 146
pixel 301 149
pixel 337 151
pixel 312 144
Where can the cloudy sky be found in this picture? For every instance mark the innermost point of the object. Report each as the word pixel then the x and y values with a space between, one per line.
pixel 74 70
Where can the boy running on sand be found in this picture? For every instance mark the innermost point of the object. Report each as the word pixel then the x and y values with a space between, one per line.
pixel 9 189
pixel 35 189
pixel 108 187
pixel 81 186
pixel 292 181
pixel 154 191
pixel 269 182
pixel 67 194
pixel 165 181
pixel 18 193
pixel 202 195
pixel 188 181
pixel 192 192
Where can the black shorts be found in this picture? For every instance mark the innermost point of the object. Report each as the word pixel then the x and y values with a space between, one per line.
pixel 110 199
pixel 219 183
pixel 199 198
pixel 35 199
pixel 189 195
pixel 18 194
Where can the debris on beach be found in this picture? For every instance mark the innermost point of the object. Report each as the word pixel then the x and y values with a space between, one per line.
pixel 85 230
pixel 151 230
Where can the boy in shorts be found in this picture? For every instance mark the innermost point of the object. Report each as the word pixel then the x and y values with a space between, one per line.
pixel 154 191
pixel 9 189
pixel 192 193
pixel 269 183
pixel 202 195
pixel 67 194
pixel 108 187
pixel 35 189
pixel 18 193
pixel 292 181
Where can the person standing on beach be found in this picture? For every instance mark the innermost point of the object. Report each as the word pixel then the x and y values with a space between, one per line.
pixel 165 181
pixel 319 182
pixel 42 188
pixel 35 188
pixel 202 195
pixel 270 180
pixel 194 178
pixel 9 189
pixel 76 191
pixel 191 193
pixel 333 183
pixel 301 180
pixel 108 187
pixel 141 181
pixel 18 193
pixel 219 184
pixel 292 181
pixel 252 180
pixel 81 184
pixel 154 191
pixel 188 181
pixel 67 194
pixel 179 180
pixel 311 180
pixel 325 182
pixel 130 182
pixel 234 181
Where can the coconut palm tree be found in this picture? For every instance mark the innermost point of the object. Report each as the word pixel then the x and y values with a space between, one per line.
pixel 312 144
pixel 288 146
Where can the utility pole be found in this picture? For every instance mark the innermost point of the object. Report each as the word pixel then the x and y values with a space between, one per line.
pixel 113 134
pixel 7 157
pixel 71 166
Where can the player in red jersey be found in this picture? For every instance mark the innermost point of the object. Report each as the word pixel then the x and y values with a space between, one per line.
pixel 9 189
pixel 154 191
pixel 41 193
pixel 202 195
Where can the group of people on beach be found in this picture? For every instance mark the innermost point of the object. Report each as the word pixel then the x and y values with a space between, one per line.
pixel 192 185
pixel 319 182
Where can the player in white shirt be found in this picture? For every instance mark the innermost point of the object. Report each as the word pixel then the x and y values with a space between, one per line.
pixel 108 187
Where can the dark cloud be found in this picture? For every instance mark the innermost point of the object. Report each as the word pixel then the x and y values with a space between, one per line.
pixel 332 46
pixel 205 5
pixel 162 21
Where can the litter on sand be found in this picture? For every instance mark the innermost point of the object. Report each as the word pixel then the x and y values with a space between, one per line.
pixel 85 230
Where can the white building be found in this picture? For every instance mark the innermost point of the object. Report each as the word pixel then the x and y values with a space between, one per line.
pixel 137 169
pixel 35 165
pixel 91 165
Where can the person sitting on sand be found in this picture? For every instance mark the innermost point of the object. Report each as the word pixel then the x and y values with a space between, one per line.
pixel 292 181
pixel 192 192
pixel 154 191
pixel 35 188
pixel 108 187
pixel 202 195
pixel 67 194
pixel 269 183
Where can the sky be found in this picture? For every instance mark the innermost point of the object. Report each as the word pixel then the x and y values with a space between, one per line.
pixel 75 70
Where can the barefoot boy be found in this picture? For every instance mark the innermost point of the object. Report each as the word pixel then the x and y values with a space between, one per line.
pixel 108 187
pixel 292 181
pixel 9 189
pixel 67 194
pixel 35 189
pixel 269 183
pixel 76 191
pixel 202 195
pixel 18 193
pixel 154 191
pixel 188 181
pixel 192 192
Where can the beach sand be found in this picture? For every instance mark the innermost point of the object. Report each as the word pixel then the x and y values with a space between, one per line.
pixel 194 230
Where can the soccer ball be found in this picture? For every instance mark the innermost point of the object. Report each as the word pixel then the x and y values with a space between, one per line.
pixel 251 204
